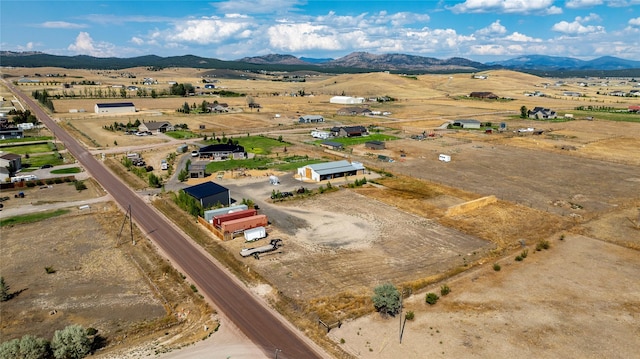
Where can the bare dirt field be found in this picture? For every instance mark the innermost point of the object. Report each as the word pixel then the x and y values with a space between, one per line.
pixel 561 302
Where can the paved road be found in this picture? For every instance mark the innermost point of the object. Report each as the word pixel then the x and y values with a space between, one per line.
pixel 261 325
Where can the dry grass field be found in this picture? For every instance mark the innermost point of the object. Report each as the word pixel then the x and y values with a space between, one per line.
pixel 578 178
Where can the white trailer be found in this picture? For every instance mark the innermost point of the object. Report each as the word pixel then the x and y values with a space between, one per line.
pixel 444 158
pixel 254 234
pixel 272 246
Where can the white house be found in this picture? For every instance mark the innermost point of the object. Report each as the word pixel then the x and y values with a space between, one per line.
pixel 346 100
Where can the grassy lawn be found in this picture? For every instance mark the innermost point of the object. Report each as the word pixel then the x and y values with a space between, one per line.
pixel 350 141
pixel 21 150
pixel 180 135
pixel 284 164
pixel 260 145
pixel 30 218
pixel 34 162
pixel 609 116
pixel 69 170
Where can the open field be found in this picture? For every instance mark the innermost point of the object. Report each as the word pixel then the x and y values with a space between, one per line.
pixel 578 178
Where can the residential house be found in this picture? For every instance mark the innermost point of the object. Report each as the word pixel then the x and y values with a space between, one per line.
pixel 310 119
pixel 10 132
pixel 349 131
pixel 332 145
pixel 618 93
pixel 11 160
pixel 222 151
pixel 157 127
pixel 353 111
pixel 541 113
pixel 571 94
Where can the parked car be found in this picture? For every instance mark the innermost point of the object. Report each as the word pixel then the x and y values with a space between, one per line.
pixel 46 166
pixel 195 153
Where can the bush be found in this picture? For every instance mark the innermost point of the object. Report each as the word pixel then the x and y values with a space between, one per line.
pixel 194 289
pixel 524 253
pixel 49 270
pixel 543 244
pixel 409 315
pixel 496 267
pixel 71 342
pixel 386 299
pixel 432 298
pixel 519 258
pixel 444 290
pixel 80 185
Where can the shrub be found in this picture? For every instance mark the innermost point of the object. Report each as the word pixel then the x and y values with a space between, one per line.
pixel 80 185
pixel 342 341
pixel 496 267
pixel 432 298
pixel 562 237
pixel 444 290
pixel 194 289
pixel 386 299
pixel 49 270
pixel 409 315
pixel 519 258
pixel 524 253
pixel 57 180
pixel 543 244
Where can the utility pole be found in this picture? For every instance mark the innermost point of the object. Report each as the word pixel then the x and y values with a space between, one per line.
pixel 277 350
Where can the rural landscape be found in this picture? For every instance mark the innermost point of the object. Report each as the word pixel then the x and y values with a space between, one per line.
pixel 491 213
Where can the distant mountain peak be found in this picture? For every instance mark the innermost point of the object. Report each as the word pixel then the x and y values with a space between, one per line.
pixel 273 59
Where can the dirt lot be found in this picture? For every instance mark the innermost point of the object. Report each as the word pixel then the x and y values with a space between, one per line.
pixel 579 299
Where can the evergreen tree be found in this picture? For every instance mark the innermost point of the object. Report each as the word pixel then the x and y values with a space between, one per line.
pixel 4 290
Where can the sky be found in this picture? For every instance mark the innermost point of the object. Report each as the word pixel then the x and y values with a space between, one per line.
pixel 479 30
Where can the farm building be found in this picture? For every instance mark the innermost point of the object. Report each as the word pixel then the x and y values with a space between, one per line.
pixel 209 194
pixel 223 151
pixel 157 127
pixel 310 119
pixel 541 113
pixel 354 111
pixel 329 170
pixel 332 145
pixel 11 160
pixel 374 145
pixel 198 169
pixel 115 107
pixel 484 95
pixel 467 123
pixel 349 131
pixel 10 132
pixel 208 215
pixel 346 100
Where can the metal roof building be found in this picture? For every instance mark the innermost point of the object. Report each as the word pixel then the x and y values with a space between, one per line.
pixel 115 107
pixel 209 194
pixel 329 170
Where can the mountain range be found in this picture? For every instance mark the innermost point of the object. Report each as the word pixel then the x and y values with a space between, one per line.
pixel 354 62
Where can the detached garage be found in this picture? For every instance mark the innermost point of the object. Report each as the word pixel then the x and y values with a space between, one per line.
pixel 209 194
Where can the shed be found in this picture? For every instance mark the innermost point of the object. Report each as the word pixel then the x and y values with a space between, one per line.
pixel 329 170
pixel 209 194
pixel 198 169
pixel 115 107
pixel 374 145
pixel 310 119
pixel 332 145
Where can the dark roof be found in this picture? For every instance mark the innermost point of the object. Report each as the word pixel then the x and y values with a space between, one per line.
pixel 332 144
pixel 10 156
pixel 375 142
pixel 205 189
pixel 116 104
pixel 156 125
pixel 222 147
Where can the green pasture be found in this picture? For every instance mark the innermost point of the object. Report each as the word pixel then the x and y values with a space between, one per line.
pixel 26 139
pixel 262 163
pixel 181 135
pixel 36 161
pixel 260 145
pixel 350 141
pixel 24 149
pixel 64 171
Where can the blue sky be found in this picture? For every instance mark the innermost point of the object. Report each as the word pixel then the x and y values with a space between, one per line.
pixel 481 30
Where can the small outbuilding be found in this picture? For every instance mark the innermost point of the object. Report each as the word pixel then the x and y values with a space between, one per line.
pixel 209 194
pixel 198 169
pixel 310 119
pixel 346 100
pixel 374 145
pixel 467 123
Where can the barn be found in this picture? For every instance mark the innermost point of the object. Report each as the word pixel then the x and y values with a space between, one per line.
pixel 467 123
pixel 115 107
pixel 209 194
pixel 329 170
pixel 346 100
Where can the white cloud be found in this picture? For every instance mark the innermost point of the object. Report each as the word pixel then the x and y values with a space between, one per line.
pixel 576 4
pixel 61 25
pixel 137 41
pixel 206 31
pixel 635 22
pixel 494 29
pixel 577 27
pixel 306 36
pixel 518 37
pixel 85 45
pixel 507 6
